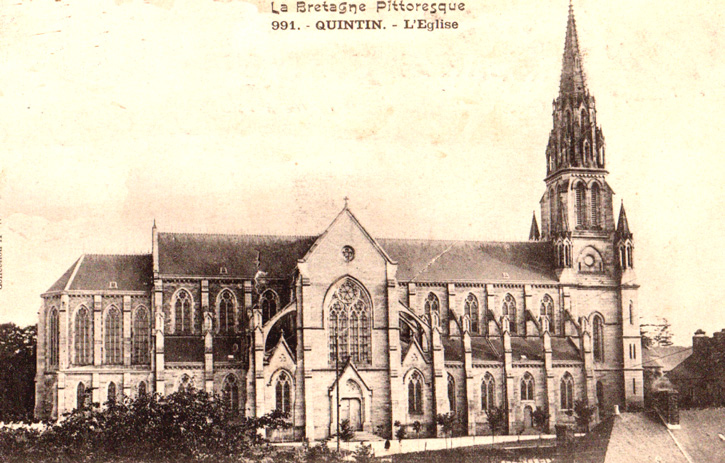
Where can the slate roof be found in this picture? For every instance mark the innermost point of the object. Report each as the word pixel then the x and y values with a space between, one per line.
pixel 564 349
pixel 433 260
pixel 483 348
pixel 665 357
pixel 205 254
pixel 183 349
pixel 94 272
pixel 195 254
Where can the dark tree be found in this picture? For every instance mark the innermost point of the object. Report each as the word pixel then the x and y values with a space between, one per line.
pixel 656 334
pixel 17 372
pixel 583 414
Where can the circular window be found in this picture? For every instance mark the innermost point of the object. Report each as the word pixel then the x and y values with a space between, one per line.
pixel 589 260
pixel 348 253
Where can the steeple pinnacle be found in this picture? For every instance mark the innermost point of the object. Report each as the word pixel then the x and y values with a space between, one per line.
pixel 573 80
pixel 622 224
pixel 534 234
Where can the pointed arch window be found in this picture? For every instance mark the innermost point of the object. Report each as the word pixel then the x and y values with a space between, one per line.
pixel 270 304
pixel 283 394
pixel 83 337
pixel 230 394
pixel 527 387
pixel 432 304
pixel 226 312
pixel 547 309
pixel 581 205
pixel 142 388
pixel 598 338
pixel 415 394
pixel 111 393
pixel 113 337
pixel 140 349
pixel 82 397
pixel 451 393
pixel 566 390
pixel 596 207
pixel 509 309
pixel 631 313
pixel 53 338
pixel 471 309
pixel 349 323
pixel 488 392
pixel 182 312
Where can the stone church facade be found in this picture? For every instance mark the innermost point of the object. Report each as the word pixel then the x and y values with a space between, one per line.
pixel 378 331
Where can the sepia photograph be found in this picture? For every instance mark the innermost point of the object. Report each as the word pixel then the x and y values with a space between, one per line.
pixel 400 231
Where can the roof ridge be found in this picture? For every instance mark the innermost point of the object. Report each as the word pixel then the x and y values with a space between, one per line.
pixel 116 255
pixel 251 235
pixel 463 241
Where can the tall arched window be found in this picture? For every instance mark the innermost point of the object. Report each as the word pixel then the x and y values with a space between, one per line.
pixel 471 309
pixel 355 346
pixel 111 395
pixel 509 309
pixel 598 338
pixel 547 309
pixel 81 397
pixel 581 205
pixel 230 394
pixel 269 303
pixel 566 391
pixel 141 354
pixel 631 313
pixel 600 394
pixel 488 392
pixel 113 337
pixel 53 338
pixel 226 312
pixel 432 304
pixel 83 337
pixel 283 394
pixel 452 393
pixel 596 207
pixel 182 311
pixel 349 327
pixel 415 394
pixel 527 387
pixel 142 388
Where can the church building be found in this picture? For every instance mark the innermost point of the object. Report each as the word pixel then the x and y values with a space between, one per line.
pixel 346 326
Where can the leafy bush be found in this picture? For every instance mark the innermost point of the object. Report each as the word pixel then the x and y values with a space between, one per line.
pixel 184 426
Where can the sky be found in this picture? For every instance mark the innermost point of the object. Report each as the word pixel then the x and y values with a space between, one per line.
pixel 197 114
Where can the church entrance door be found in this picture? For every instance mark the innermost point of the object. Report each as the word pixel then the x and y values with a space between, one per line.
pixel 528 417
pixel 351 409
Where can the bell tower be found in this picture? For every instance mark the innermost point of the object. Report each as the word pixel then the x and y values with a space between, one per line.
pixel 577 202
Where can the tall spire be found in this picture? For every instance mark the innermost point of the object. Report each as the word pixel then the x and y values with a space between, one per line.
pixel 575 140
pixel 573 80
pixel 623 225
pixel 534 234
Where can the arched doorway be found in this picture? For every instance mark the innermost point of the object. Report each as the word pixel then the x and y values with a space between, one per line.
pixel 528 417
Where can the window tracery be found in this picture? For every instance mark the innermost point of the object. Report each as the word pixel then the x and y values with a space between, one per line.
pixel 471 309
pixel 83 337
pixel 415 394
pixel 113 337
pixel 182 311
pixel 349 323
pixel 509 310
pixel 141 354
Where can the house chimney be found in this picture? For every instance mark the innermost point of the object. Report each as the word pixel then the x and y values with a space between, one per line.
pixel 699 343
